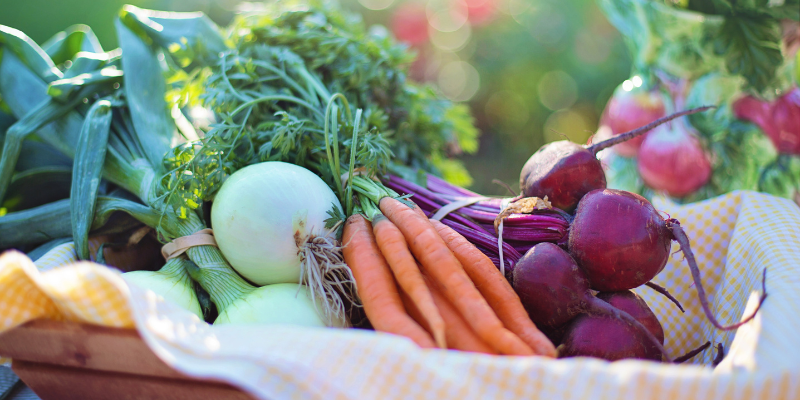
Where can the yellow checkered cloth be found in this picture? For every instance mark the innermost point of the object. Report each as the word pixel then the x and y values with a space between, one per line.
pixel 734 237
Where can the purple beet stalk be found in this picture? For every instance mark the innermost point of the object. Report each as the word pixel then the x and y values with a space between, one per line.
pixel 442 186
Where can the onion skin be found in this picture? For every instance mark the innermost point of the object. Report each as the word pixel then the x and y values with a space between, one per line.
pixel 176 289
pixel 281 303
pixel 672 160
pixel 619 239
pixel 563 171
pixel 628 110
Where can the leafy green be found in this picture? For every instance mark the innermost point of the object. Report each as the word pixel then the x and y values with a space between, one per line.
pixel 144 89
pixel 782 177
pixel 65 45
pixel 287 90
pixel 751 47
pixel 749 39
pixel 90 155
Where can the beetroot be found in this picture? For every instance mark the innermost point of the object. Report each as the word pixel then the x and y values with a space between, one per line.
pixel 553 289
pixel 628 110
pixel 672 159
pixel 550 285
pixel 565 171
pixel 607 338
pixel 621 242
pixel 634 305
pixel 610 338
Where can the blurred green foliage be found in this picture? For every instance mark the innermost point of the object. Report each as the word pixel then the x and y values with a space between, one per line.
pixel 545 67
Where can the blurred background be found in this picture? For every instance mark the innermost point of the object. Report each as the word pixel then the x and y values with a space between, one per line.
pixel 532 71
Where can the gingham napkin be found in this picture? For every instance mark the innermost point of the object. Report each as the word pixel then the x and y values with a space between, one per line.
pixel 734 237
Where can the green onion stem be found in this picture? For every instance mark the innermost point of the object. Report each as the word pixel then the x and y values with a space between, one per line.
pixel 214 274
pixel 353 151
pixel 176 267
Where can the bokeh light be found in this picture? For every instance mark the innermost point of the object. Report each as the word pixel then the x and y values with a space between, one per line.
pixel 446 15
pixel 376 4
pixel 453 40
pixel 459 81
pixel 557 90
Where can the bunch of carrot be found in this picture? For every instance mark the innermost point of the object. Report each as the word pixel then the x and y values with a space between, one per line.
pixel 420 279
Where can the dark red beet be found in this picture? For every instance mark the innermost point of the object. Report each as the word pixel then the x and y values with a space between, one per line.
pixel 607 338
pixel 612 339
pixel 550 285
pixel 619 240
pixel 565 171
pixel 634 305
pixel 554 290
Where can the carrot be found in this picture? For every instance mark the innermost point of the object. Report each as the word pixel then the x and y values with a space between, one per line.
pixel 496 290
pixel 459 335
pixel 394 248
pixel 375 284
pixel 443 267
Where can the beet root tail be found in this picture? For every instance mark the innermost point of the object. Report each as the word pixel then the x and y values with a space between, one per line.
pixel 720 354
pixel 666 293
pixel 692 353
pixel 597 147
pixel 679 235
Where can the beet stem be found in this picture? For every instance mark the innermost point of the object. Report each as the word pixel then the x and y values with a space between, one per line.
pixel 720 354
pixel 692 353
pixel 680 236
pixel 596 306
pixel 596 147
pixel 663 291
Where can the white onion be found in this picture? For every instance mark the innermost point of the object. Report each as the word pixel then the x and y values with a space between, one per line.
pixel 171 282
pixel 262 212
pixel 282 303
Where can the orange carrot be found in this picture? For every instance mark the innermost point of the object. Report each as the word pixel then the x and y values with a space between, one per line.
pixel 443 267
pixel 375 284
pixel 394 248
pixel 496 290
pixel 459 335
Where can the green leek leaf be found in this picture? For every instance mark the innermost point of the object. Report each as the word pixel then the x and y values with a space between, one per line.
pixel 144 89
pixel 29 52
pixel 190 38
pixel 67 44
pixel 86 172
pixel 38 186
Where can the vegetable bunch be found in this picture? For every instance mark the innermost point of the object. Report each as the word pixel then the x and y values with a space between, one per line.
pixel 617 242
pixel 741 56
pixel 447 294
